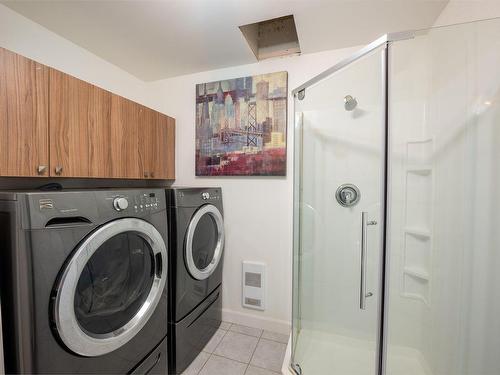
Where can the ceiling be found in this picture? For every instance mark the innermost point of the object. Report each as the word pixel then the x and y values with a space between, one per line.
pixel 160 39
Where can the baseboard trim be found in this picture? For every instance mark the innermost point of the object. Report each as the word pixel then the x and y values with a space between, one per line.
pixel 250 320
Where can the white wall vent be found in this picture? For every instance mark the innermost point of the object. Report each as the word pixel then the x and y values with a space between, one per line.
pixel 254 285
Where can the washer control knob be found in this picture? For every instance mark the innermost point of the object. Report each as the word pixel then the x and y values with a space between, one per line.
pixel 120 204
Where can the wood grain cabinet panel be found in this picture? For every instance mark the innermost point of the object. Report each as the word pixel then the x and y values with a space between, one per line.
pixel 147 142
pixel 159 164
pixel 53 124
pixel 79 128
pixel 24 142
pixel 165 136
pixel 124 144
pixel 156 145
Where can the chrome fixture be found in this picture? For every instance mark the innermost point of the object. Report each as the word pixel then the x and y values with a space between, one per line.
pixel 363 294
pixel 296 368
pixel 347 195
pixel 350 103
pixel 302 94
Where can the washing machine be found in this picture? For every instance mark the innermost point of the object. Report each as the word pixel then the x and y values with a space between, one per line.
pixel 196 243
pixel 83 281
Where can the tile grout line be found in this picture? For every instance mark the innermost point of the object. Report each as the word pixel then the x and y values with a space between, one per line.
pixel 204 363
pixel 211 354
pixel 254 350
pixel 259 338
pixel 261 334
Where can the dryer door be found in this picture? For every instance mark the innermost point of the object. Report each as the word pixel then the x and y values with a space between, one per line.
pixel 110 287
pixel 204 242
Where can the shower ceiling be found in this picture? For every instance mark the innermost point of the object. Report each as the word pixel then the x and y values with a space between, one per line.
pixel 159 39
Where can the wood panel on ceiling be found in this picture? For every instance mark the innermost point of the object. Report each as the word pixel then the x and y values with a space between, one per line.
pixel 24 142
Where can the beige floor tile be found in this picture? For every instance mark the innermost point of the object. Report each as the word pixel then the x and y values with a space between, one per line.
pixel 225 325
pixel 256 332
pixel 222 366
pixel 214 341
pixel 237 346
pixel 252 370
pixel 198 363
pixel 274 336
pixel 269 355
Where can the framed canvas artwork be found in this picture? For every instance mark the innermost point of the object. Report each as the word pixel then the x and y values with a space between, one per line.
pixel 241 126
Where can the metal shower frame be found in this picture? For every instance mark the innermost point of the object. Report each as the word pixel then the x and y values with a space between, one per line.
pixel 300 92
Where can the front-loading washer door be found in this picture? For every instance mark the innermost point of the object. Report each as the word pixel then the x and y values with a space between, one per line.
pixel 204 242
pixel 110 287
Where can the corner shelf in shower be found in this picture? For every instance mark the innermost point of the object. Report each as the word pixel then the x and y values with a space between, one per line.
pixel 419 232
pixel 419 195
pixel 416 272
pixel 421 170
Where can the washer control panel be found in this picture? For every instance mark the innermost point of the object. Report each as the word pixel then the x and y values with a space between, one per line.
pixel 120 203
pixel 137 203
pixel 146 202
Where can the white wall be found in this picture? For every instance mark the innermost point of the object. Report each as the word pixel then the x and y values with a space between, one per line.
pixel 459 11
pixel 31 40
pixel 446 87
pixel 258 210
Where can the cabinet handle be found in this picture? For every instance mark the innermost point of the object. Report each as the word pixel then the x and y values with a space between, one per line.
pixel 58 170
pixel 146 174
pixel 41 169
pixel 152 175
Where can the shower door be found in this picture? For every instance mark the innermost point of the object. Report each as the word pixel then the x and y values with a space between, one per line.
pixel 339 216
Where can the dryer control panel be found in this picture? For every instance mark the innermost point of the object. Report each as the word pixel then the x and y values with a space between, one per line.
pixel 194 197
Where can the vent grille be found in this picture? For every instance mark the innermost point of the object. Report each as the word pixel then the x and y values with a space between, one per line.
pixel 252 301
pixel 253 279
pixel 254 285
pixel 272 38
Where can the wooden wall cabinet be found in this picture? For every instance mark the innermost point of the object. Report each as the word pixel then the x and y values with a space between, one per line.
pixel 157 147
pixel 53 124
pixel 80 117
pixel 24 127
pixel 125 142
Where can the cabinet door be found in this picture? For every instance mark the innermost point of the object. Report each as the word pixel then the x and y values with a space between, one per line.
pixel 156 144
pixel 80 131
pixel 24 86
pixel 147 144
pixel 124 143
pixel 159 130
pixel 164 168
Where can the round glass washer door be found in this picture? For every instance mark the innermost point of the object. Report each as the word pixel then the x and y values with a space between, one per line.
pixel 204 242
pixel 110 287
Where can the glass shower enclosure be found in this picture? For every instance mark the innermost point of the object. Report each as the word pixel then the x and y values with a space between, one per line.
pixel 397 197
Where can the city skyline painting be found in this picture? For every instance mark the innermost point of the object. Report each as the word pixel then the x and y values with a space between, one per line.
pixel 241 126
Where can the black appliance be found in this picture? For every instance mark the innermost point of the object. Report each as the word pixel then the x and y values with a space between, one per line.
pixel 83 281
pixel 196 243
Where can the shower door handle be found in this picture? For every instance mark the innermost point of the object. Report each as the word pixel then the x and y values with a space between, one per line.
pixel 364 235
